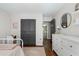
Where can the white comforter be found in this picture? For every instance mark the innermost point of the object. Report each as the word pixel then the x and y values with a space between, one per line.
pixel 17 51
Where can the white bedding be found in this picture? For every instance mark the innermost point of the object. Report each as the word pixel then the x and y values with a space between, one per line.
pixel 11 50
pixel 7 46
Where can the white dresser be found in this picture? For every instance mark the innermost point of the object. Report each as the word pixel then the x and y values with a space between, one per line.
pixel 65 45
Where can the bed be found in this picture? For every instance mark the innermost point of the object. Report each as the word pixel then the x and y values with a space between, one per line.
pixel 11 47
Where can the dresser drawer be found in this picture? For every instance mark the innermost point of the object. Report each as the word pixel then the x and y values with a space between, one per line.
pixel 65 47
pixel 71 47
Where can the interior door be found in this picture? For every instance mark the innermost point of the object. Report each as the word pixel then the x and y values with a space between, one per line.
pixel 28 31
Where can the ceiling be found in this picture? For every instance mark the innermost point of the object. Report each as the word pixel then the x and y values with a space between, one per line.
pixel 47 9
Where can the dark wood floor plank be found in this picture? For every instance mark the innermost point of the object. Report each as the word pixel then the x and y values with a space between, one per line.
pixel 48 47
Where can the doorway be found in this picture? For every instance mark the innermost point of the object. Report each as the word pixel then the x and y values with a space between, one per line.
pixel 48 42
pixel 52 27
pixel 52 30
pixel 28 32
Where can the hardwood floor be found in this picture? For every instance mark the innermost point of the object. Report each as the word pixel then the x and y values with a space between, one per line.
pixel 48 47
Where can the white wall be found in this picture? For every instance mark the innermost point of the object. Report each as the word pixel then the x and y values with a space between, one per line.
pixel 47 18
pixel 71 30
pixel 4 24
pixel 16 18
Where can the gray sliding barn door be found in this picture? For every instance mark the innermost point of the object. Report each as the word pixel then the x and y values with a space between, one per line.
pixel 28 31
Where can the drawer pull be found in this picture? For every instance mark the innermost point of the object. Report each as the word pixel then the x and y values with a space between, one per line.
pixel 61 48
pixel 71 46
